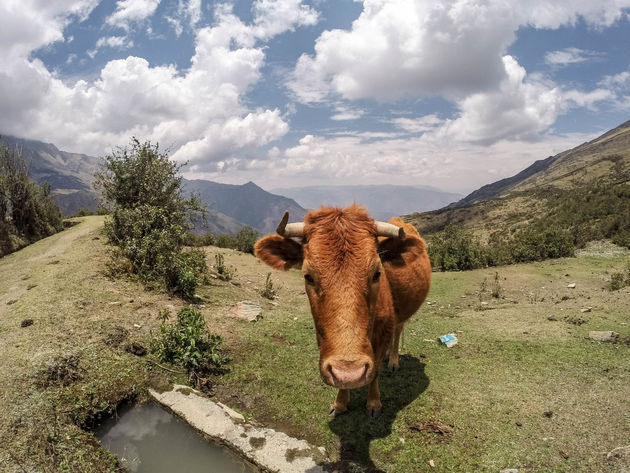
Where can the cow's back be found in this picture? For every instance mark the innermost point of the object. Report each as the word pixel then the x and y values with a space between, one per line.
pixel 407 268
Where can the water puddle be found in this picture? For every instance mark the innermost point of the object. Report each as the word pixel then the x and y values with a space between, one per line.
pixel 149 439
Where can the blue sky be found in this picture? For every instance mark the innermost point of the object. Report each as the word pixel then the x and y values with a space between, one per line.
pixel 453 94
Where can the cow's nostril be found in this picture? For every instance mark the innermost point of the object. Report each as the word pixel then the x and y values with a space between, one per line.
pixel 347 373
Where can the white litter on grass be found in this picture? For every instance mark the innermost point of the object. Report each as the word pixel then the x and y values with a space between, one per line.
pixel 571 286
pixel 449 339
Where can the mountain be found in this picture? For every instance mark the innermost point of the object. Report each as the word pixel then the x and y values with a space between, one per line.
pixel 69 174
pixel 382 201
pixel 586 178
pixel 246 203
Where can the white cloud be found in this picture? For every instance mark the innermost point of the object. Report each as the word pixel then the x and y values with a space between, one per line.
pixel 188 11
pixel 567 56
pixel 451 48
pixel 343 112
pixel 131 11
pixel 419 124
pixel 116 42
pixel 273 17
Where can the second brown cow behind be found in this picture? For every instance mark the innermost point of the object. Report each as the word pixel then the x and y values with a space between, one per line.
pixel 362 288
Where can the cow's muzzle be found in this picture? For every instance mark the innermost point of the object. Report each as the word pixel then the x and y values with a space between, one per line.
pixel 347 374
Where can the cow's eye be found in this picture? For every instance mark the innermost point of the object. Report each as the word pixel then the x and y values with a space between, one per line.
pixel 309 279
pixel 376 277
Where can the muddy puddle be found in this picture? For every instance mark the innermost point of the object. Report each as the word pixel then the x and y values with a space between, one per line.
pixel 149 439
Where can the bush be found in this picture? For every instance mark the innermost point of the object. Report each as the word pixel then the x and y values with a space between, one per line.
pixel 188 343
pixel 150 217
pixel 246 239
pixel 225 241
pixel 190 239
pixel 456 249
pixel 224 272
pixel 83 213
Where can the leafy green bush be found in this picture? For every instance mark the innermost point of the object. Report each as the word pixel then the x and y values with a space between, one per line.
pixel 188 343
pixel 225 241
pixel 246 239
pixel 190 239
pixel 456 249
pixel 83 213
pixel 150 217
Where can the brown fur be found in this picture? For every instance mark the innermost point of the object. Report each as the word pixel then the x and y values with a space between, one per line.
pixel 358 320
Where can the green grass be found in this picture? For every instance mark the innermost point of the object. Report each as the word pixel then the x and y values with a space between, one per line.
pixel 511 365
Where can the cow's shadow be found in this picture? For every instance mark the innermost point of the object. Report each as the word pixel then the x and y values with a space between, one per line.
pixel 356 430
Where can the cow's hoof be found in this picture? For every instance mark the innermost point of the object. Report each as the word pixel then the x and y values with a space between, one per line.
pixel 336 412
pixel 373 412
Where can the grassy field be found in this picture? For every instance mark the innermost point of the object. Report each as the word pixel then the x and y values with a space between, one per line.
pixel 524 388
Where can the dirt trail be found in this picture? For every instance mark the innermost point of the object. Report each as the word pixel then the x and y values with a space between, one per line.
pixel 19 270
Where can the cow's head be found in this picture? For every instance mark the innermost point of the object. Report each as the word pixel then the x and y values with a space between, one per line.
pixel 342 273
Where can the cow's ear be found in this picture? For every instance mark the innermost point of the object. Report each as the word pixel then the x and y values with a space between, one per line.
pixel 279 252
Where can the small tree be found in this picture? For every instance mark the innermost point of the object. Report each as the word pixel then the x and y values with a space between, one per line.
pixel 150 216
pixel 246 239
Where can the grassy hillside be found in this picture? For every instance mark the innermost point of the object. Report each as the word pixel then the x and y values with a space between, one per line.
pixel 524 388
pixel 572 189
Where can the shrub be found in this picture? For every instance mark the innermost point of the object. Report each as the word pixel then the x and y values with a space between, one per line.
pixel 188 343
pixel 225 241
pixel 269 291
pixel 190 239
pixel 225 273
pixel 83 213
pixel 456 249
pixel 246 239
pixel 150 216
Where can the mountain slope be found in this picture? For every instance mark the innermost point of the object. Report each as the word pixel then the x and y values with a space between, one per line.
pixel 545 189
pixel 595 159
pixel 247 203
pixel 382 201
pixel 69 174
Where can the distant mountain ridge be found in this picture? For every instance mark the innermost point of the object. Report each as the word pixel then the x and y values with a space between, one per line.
pixel 247 203
pixel 382 201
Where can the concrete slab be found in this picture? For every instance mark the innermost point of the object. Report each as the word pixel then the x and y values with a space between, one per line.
pixel 270 450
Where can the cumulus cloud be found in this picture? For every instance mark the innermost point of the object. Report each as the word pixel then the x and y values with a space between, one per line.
pixel 129 12
pixel 449 48
pixel 419 124
pixel 343 112
pixel 564 57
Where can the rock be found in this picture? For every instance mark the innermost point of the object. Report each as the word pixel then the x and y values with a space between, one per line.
pixel 231 412
pixel 551 318
pixel 246 310
pixel 26 323
pixel 586 309
pixel 136 349
pixel 603 335
pixel 571 286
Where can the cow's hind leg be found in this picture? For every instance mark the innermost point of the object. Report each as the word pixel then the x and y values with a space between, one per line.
pixel 340 406
pixel 392 363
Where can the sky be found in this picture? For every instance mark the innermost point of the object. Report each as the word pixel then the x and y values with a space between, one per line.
pixel 452 94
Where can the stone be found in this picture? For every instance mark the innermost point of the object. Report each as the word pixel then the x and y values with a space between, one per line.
pixel 571 286
pixel 586 309
pixel 603 335
pixel 278 451
pixel 246 310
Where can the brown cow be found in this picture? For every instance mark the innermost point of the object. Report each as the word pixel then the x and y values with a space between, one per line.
pixel 364 279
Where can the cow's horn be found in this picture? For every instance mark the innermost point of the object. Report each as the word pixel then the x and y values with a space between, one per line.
pixel 389 230
pixel 290 229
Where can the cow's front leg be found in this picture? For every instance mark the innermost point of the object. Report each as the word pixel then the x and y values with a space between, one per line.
pixel 340 406
pixel 374 399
